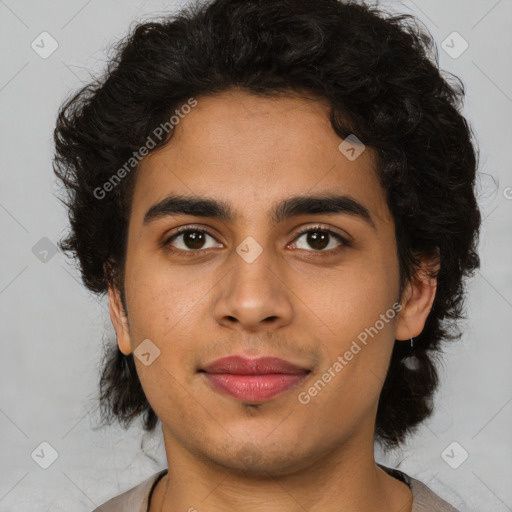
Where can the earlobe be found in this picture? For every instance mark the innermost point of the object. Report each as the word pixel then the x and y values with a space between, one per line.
pixel 119 320
pixel 417 301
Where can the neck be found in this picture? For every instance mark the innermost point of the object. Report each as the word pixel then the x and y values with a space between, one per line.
pixel 344 479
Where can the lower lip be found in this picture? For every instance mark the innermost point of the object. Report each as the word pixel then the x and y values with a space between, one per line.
pixel 254 388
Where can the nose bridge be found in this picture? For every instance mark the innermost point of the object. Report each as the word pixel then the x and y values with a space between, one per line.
pixel 253 295
pixel 253 266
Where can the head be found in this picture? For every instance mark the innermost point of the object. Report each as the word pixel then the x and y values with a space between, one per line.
pixel 242 127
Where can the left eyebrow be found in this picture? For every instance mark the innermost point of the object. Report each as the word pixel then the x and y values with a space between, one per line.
pixel 290 207
pixel 321 204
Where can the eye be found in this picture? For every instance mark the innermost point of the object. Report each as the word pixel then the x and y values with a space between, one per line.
pixel 321 240
pixel 190 239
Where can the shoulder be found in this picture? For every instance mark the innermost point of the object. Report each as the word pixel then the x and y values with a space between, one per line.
pixel 424 499
pixel 135 499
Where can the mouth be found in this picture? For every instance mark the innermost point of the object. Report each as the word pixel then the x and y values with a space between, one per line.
pixel 253 380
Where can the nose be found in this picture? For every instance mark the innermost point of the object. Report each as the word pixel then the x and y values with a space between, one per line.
pixel 254 296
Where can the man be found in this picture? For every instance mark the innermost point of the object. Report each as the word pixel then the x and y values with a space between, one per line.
pixel 278 197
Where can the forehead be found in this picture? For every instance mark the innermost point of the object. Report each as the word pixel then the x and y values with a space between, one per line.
pixel 252 152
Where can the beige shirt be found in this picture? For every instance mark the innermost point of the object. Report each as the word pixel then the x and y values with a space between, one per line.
pixel 137 498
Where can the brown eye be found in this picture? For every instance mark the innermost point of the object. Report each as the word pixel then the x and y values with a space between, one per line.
pixel 320 240
pixel 193 239
pixel 190 240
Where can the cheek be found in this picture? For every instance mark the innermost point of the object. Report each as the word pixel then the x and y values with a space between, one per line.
pixel 353 297
pixel 168 309
pixel 349 382
pixel 358 311
pixel 160 300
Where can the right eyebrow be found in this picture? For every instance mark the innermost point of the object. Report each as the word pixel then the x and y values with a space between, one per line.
pixel 186 205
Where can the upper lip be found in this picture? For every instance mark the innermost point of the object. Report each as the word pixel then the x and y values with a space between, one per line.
pixel 241 365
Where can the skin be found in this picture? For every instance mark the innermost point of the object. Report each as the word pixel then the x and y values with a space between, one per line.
pixel 294 301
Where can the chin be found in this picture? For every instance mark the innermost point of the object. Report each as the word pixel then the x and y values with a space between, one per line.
pixel 259 458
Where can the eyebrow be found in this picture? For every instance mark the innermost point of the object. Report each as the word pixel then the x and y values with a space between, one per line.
pixel 290 207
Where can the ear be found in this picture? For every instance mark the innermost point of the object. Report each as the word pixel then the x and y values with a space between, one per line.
pixel 119 319
pixel 417 300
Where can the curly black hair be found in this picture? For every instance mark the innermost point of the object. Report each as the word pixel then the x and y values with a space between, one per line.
pixel 379 73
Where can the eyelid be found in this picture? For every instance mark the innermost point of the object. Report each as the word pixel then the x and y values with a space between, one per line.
pixel 344 239
pixel 184 229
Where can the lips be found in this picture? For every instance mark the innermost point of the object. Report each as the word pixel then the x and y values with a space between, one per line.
pixel 262 366
pixel 253 380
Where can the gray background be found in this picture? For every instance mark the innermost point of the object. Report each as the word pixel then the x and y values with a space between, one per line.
pixel 53 329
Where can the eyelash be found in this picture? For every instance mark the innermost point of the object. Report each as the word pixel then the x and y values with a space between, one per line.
pixel 194 253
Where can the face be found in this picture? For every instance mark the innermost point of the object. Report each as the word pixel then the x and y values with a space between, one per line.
pixel 296 283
